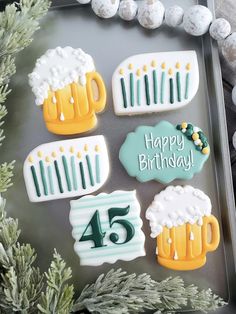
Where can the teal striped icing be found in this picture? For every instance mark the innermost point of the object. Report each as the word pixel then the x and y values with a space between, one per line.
pixel 108 203
pixel 100 197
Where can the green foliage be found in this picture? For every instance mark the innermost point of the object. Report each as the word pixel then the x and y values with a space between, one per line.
pixel 58 297
pixel 6 173
pixel 135 293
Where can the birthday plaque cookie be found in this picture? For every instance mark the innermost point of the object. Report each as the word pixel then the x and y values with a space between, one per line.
pixel 66 168
pixel 164 152
pixel 155 82
pixel 181 221
pixel 107 227
pixel 65 82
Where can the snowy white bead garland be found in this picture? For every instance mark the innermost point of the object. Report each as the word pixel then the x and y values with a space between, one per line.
pixel 197 20
pixel 220 29
pixel 105 8
pixel 174 16
pixel 128 10
pixel 151 14
pixel 83 1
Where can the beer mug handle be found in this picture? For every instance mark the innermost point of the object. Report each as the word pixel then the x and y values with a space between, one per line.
pixel 215 233
pixel 97 105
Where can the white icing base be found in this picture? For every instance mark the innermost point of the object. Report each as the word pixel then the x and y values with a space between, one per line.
pixel 78 146
pixel 177 205
pixel 138 61
pixel 81 213
pixel 58 68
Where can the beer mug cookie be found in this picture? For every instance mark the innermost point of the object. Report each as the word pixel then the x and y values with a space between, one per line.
pixel 71 92
pixel 181 221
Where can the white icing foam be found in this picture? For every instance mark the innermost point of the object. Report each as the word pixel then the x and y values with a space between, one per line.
pixel 57 68
pixel 178 205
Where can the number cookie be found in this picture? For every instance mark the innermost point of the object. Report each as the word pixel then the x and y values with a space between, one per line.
pixel 180 219
pixel 65 82
pixel 107 227
pixel 164 152
pixel 66 168
pixel 155 82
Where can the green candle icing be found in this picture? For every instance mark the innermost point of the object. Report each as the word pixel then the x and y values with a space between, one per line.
pixel 171 90
pixel 97 162
pixel 147 91
pixel 123 92
pixel 58 176
pixel 73 170
pixel 163 77
pixel 131 78
pixel 66 170
pixel 154 73
pixel 50 180
pixel 187 85
pixel 43 177
pixel 35 179
pixel 90 170
pixel 178 83
pixel 81 167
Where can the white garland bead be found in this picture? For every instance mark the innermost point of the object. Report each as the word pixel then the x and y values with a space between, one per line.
pixel 234 95
pixel 151 14
pixel 83 1
pixel 197 20
pixel 234 140
pixel 229 50
pixel 220 29
pixel 128 10
pixel 174 16
pixel 105 8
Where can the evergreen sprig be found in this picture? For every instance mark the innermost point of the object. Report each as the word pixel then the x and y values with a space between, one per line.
pixel 137 293
pixel 58 298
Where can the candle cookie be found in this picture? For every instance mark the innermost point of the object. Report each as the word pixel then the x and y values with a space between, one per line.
pixel 66 168
pixel 155 82
pixel 164 152
pixel 107 227
pixel 65 82
pixel 181 221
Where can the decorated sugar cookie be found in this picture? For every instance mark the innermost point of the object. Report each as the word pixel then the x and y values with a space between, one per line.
pixel 66 168
pixel 65 82
pixel 164 152
pixel 107 227
pixel 181 221
pixel 155 82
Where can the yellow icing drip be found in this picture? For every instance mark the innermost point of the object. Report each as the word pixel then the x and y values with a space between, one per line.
pixel 188 66
pixel 40 154
pixel 61 149
pixel 177 65
pixel 153 64
pixel 54 155
pixel 79 155
pixel 138 72
pixel 85 147
pixel 170 72
pixel 121 71
pixel 97 148
pixel 72 150
pixel 145 68
pixel 163 65
pixel 30 159
pixel 131 66
pixel 47 159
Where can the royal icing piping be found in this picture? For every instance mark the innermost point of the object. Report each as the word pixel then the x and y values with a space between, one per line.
pixel 164 152
pixel 107 227
pixel 176 206
pixel 66 168
pixel 58 68
pixel 155 82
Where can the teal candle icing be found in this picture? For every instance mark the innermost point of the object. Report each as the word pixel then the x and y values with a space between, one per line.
pixel 90 170
pixel 154 73
pixel 131 78
pixel 50 180
pixel 58 176
pixel 98 174
pixel 187 85
pixel 163 77
pixel 73 171
pixel 178 84
pixel 81 167
pixel 147 91
pixel 171 90
pixel 160 153
pixel 35 179
pixel 66 170
pixel 123 92
pixel 138 92
pixel 43 177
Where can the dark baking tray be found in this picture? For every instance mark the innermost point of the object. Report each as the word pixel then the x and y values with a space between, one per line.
pixel 46 225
